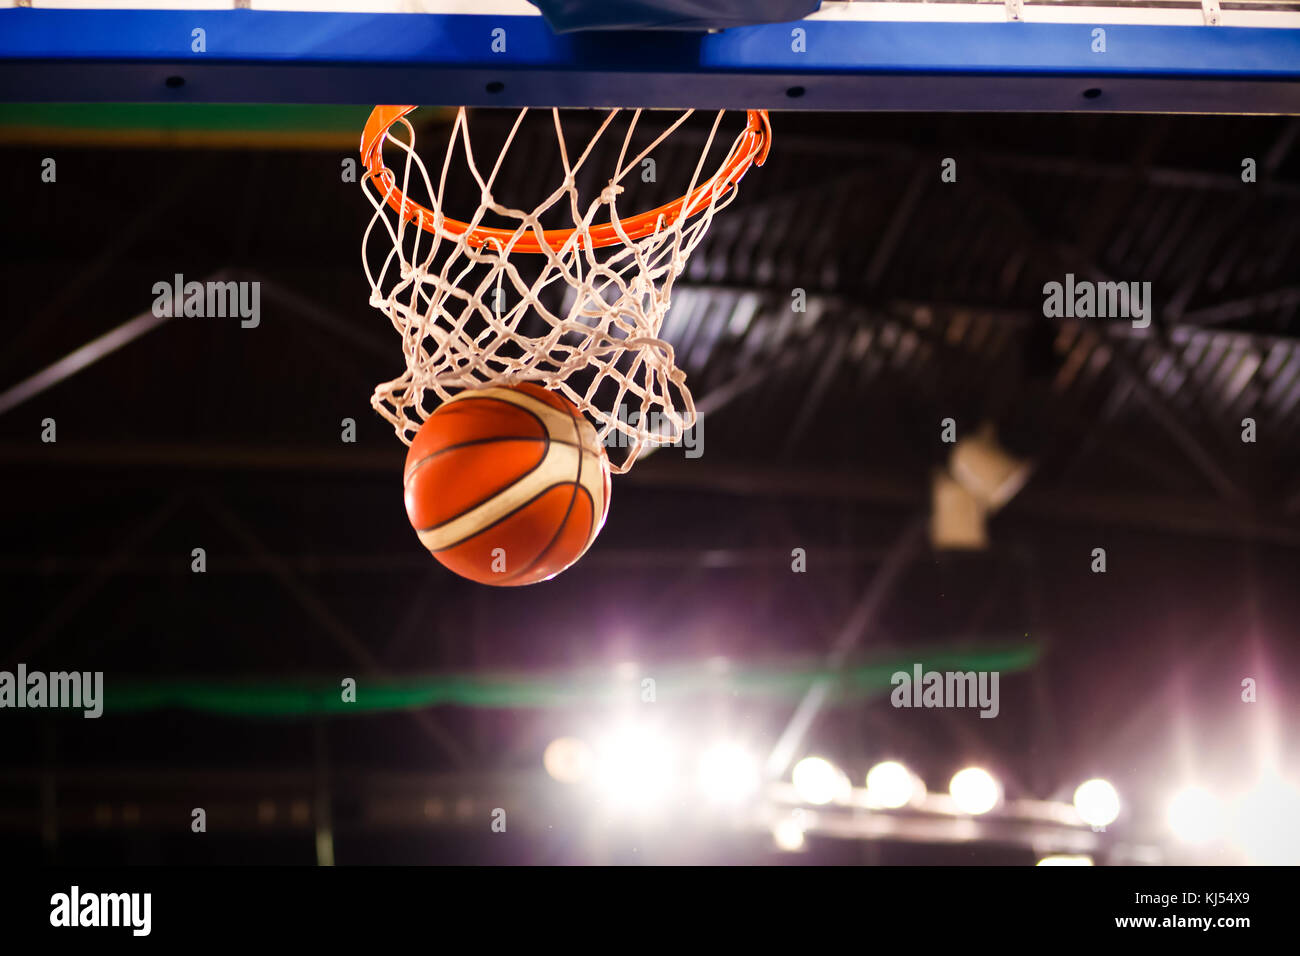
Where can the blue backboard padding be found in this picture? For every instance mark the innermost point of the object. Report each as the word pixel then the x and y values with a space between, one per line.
pixel 272 36
pixel 833 46
pixel 266 56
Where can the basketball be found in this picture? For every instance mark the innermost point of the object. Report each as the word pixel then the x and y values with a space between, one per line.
pixel 507 485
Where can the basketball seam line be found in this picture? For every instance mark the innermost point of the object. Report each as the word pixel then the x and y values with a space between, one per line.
pixel 471 397
pixel 551 544
pixel 546 453
pixel 510 514
pixel 481 441
pixel 577 483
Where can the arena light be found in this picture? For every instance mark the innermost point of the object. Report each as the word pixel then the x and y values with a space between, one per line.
pixel 1097 802
pixel 1195 816
pixel 568 760
pixel 890 785
pixel 974 790
pixel 788 835
pixel 818 781
pixel 986 469
pixel 635 768
pixel 728 774
pixel 1065 859
pixel 1264 824
pixel 956 516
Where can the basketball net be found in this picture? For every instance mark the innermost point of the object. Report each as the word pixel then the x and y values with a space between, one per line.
pixel 468 315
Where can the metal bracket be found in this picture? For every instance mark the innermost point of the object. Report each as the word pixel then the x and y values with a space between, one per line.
pixel 1015 9
pixel 1210 10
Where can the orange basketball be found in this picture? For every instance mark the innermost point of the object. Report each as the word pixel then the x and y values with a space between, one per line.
pixel 507 485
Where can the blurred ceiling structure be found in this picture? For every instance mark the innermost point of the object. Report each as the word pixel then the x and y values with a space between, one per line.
pixel 924 301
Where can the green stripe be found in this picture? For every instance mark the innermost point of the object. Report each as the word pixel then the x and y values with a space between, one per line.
pixel 188 117
pixel 582 688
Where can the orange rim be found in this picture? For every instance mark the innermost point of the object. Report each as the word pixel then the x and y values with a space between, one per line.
pixel 754 144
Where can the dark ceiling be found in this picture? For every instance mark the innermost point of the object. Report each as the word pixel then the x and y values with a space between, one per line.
pixel 821 431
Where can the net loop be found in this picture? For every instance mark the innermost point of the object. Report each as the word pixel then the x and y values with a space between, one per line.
pixel 578 310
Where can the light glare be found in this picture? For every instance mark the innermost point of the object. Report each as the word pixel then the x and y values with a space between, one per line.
pixel 1064 859
pixel 974 790
pixel 788 835
pixel 889 785
pixel 1097 802
pixel 818 781
pixel 728 774
pixel 1266 823
pixel 568 760
pixel 635 768
pixel 1195 816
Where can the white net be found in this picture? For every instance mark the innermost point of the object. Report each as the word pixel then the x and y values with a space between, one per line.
pixel 478 306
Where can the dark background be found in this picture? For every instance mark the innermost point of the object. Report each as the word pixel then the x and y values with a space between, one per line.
pixel 925 302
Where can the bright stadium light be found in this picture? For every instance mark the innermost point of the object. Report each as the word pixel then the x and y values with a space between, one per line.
pixel 568 760
pixel 1097 802
pixel 635 768
pixel 788 835
pixel 1195 816
pixel 1065 859
pixel 1265 823
pixel 819 781
pixel 974 790
pixel 890 785
pixel 728 774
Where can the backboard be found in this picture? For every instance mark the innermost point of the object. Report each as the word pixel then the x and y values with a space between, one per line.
pixel 1198 56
